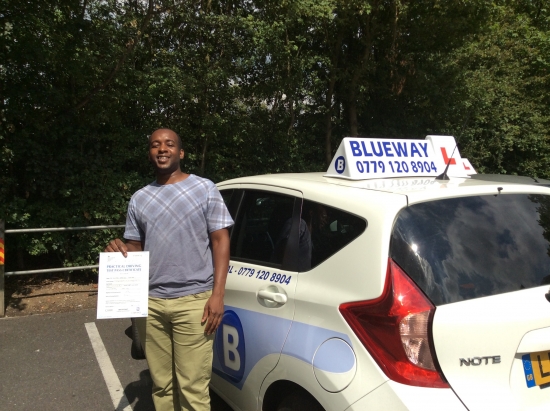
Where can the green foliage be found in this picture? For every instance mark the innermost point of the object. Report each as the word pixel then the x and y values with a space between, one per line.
pixel 253 87
pixel 505 84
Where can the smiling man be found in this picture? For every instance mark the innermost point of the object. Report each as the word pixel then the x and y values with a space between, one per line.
pixel 182 221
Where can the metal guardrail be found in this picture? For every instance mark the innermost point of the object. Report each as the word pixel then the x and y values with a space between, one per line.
pixel 43 230
pixel 47 270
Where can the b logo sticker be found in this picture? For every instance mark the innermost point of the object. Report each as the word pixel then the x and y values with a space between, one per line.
pixel 230 348
pixel 340 164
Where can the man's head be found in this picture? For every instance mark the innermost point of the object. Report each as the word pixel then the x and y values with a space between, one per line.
pixel 165 151
pixel 180 144
pixel 315 214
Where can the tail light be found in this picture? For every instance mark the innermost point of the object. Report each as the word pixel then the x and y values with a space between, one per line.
pixel 395 329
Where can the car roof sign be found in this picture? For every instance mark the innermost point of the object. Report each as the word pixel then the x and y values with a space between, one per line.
pixel 360 158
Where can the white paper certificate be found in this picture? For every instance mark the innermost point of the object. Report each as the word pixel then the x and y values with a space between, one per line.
pixel 123 285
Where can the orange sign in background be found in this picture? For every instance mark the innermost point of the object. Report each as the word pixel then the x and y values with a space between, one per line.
pixel 1 251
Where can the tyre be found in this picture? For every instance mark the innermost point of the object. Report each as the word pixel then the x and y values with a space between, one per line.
pixel 136 351
pixel 299 402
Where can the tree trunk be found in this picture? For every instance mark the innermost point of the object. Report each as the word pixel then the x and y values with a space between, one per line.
pixel 358 71
pixel 352 114
pixel 328 119
pixel 330 93
pixel 203 154
pixel 292 116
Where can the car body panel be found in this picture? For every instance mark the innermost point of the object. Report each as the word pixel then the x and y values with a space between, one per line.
pixel 398 397
pixel 491 331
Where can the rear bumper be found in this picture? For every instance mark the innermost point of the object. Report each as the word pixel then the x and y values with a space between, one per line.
pixel 398 397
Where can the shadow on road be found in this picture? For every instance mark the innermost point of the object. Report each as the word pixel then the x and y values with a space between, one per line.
pixel 141 391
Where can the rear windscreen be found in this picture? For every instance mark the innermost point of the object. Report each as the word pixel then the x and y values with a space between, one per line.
pixel 463 248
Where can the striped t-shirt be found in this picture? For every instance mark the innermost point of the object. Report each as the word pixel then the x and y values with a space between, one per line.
pixel 174 222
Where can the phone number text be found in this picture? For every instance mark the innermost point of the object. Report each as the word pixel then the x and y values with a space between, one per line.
pixel 260 274
pixel 395 166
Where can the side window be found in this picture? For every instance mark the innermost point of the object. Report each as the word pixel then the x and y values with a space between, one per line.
pixel 262 227
pixel 226 195
pixel 324 231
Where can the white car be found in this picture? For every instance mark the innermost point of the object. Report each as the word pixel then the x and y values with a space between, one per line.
pixel 356 289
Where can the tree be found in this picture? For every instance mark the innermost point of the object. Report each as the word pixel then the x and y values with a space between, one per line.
pixel 253 87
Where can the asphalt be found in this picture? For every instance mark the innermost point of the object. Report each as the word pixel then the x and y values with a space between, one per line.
pixel 47 362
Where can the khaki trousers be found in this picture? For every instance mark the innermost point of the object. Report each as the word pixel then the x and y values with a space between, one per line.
pixel 179 353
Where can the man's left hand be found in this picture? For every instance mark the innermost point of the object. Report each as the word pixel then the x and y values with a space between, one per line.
pixel 213 313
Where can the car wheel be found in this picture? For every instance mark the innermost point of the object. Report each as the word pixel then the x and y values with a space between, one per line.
pixel 136 351
pixel 299 402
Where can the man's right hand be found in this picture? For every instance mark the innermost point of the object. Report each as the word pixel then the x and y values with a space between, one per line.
pixel 117 245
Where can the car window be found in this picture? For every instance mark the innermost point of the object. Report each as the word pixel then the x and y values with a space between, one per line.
pixel 325 230
pixel 263 222
pixel 470 247
pixel 226 195
pixel 230 198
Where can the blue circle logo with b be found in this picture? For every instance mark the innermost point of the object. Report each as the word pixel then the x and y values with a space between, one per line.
pixel 340 164
pixel 230 347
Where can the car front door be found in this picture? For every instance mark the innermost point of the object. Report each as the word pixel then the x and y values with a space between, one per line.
pixel 259 298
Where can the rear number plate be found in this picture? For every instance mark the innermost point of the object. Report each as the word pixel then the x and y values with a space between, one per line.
pixel 537 368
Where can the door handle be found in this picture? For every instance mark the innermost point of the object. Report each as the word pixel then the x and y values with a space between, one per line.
pixel 279 298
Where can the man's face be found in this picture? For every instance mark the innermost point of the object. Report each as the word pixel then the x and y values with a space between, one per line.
pixel 164 151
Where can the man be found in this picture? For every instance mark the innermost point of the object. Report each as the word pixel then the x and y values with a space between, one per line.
pixel 182 221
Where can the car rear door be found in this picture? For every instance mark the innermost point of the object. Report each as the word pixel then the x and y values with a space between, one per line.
pixel 484 262
pixel 259 298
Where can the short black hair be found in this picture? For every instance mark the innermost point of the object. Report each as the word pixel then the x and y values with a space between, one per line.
pixel 180 142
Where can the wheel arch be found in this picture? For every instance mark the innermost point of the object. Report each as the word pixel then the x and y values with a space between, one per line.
pixel 280 390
